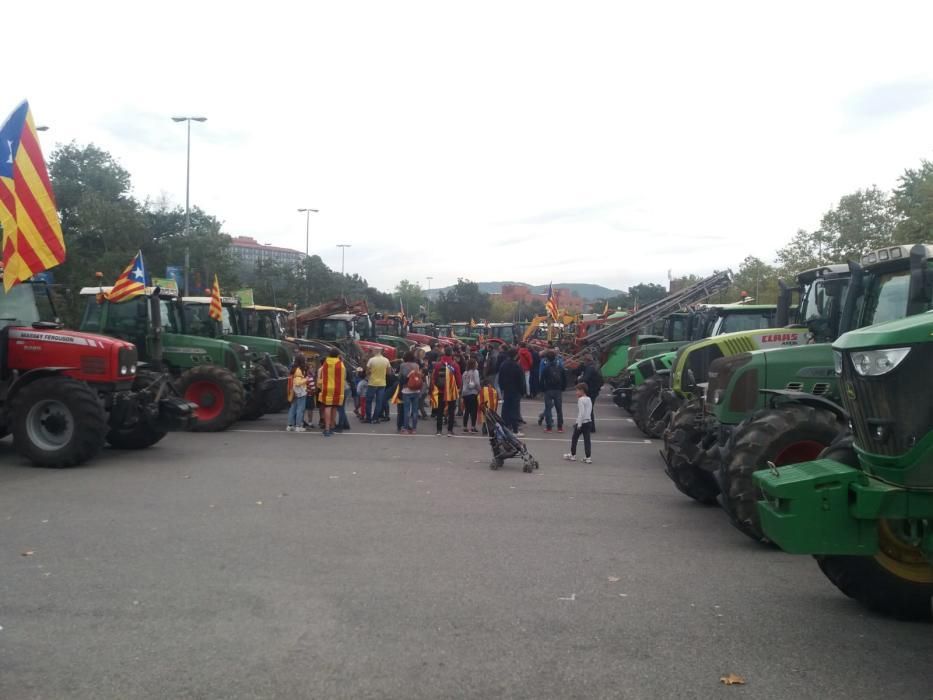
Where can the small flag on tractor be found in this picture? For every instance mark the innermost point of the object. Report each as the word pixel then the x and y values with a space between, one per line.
pixel 216 310
pixel 551 303
pixel 32 233
pixel 131 283
pixel 606 308
pixel 401 308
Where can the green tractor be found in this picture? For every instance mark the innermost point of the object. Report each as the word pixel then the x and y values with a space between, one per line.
pixel 865 507
pixel 690 442
pixel 214 374
pixel 641 387
pixel 781 406
pixel 270 358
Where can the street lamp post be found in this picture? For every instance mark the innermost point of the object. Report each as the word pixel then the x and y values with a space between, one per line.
pixel 427 298
pixel 188 189
pixel 343 252
pixel 307 213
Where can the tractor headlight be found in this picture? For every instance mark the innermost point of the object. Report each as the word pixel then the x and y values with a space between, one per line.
pixel 123 370
pixel 837 361
pixel 133 369
pixel 873 363
pixel 717 397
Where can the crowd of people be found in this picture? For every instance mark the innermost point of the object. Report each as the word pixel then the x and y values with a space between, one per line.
pixel 452 384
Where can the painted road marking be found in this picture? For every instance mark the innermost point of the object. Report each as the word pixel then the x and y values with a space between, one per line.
pixel 457 437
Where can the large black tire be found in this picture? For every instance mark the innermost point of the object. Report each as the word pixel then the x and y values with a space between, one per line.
pixel 58 422
pixel 649 411
pixel 681 444
pixel 786 435
pixel 256 403
pixel 872 581
pixel 218 394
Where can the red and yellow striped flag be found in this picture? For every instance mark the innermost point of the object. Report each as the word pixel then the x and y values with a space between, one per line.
pixel 216 310
pixel 131 283
pixel 551 304
pixel 32 233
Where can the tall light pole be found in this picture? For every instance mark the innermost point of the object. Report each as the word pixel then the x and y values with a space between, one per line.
pixel 343 252
pixel 307 213
pixel 188 189
pixel 427 298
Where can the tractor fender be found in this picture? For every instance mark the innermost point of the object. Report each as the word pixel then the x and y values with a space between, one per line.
pixel 30 376
pixel 805 399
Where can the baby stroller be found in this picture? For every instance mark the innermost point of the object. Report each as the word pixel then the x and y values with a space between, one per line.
pixel 504 443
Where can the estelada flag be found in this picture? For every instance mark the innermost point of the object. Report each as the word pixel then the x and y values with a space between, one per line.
pixel 451 390
pixel 551 303
pixel 131 283
pixel 488 396
pixel 32 233
pixel 331 378
pixel 216 310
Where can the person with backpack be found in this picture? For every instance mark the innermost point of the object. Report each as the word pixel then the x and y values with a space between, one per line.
pixel 412 381
pixel 447 382
pixel 471 387
pixel 552 381
pixel 593 379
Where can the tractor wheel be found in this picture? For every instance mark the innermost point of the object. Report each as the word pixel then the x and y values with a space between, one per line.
pixel 649 412
pixel 218 394
pixel 58 422
pixel 785 435
pixel 898 580
pixel 256 403
pixel 681 444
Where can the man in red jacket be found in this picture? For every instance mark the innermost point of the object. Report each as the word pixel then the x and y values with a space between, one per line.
pixel 526 362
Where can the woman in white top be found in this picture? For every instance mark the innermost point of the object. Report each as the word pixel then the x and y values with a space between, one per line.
pixel 470 394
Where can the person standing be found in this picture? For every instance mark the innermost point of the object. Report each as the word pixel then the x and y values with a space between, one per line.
pixel 471 387
pixel 525 361
pixel 411 380
pixel 512 384
pixel 447 382
pixel 582 426
pixel 593 379
pixel 297 394
pixel 552 381
pixel 330 380
pixel 376 370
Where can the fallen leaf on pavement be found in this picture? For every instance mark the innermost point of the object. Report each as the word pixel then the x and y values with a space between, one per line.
pixel 258 503
pixel 613 579
pixel 27 553
pixel 732 679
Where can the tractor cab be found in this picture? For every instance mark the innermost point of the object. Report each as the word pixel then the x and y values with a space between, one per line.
pixel 503 332
pixel 344 330
pixel 28 304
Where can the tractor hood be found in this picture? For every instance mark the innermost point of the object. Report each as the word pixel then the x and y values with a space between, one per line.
pixel 73 338
pixel 904 331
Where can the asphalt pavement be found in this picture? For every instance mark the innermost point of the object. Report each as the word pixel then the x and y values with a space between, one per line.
pixel 263 564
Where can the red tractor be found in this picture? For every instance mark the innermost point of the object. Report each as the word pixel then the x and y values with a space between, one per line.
pixel 63 394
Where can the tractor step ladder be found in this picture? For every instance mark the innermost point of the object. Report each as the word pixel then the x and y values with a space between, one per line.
pixel 613 333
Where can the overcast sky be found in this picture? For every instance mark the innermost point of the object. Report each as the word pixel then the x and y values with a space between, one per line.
pixel 532 141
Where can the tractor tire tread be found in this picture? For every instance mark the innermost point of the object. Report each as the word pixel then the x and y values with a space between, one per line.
pixel 234 395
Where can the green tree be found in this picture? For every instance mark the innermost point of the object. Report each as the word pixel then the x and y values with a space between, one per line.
pixel 861 221
pixel 412 297
pixel 913 203
pixel 758 279
pixel 462 302
pixel 642 294
pixel 500 310
pixel 801 253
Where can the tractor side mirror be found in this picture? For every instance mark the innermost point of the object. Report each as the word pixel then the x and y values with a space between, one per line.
pixel 921 280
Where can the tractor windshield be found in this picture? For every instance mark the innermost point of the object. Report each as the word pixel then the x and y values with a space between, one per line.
pixel 677 328
pixel 328 329
pixel 171 323
pixel 732 323
pixel 821 307
pixel 199 322
pixel 885 297
pixel 264 324
pixel 26 304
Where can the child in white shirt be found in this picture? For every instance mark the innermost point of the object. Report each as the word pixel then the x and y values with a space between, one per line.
pixel 582 426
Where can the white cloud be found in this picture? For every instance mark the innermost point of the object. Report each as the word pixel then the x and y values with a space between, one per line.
pixel 604 142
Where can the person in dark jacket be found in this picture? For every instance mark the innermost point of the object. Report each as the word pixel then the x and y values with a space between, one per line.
pixel 593 379
pixel 553 382
pixel 512 383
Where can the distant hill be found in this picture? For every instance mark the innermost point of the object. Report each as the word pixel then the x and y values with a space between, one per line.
pixel 584 290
